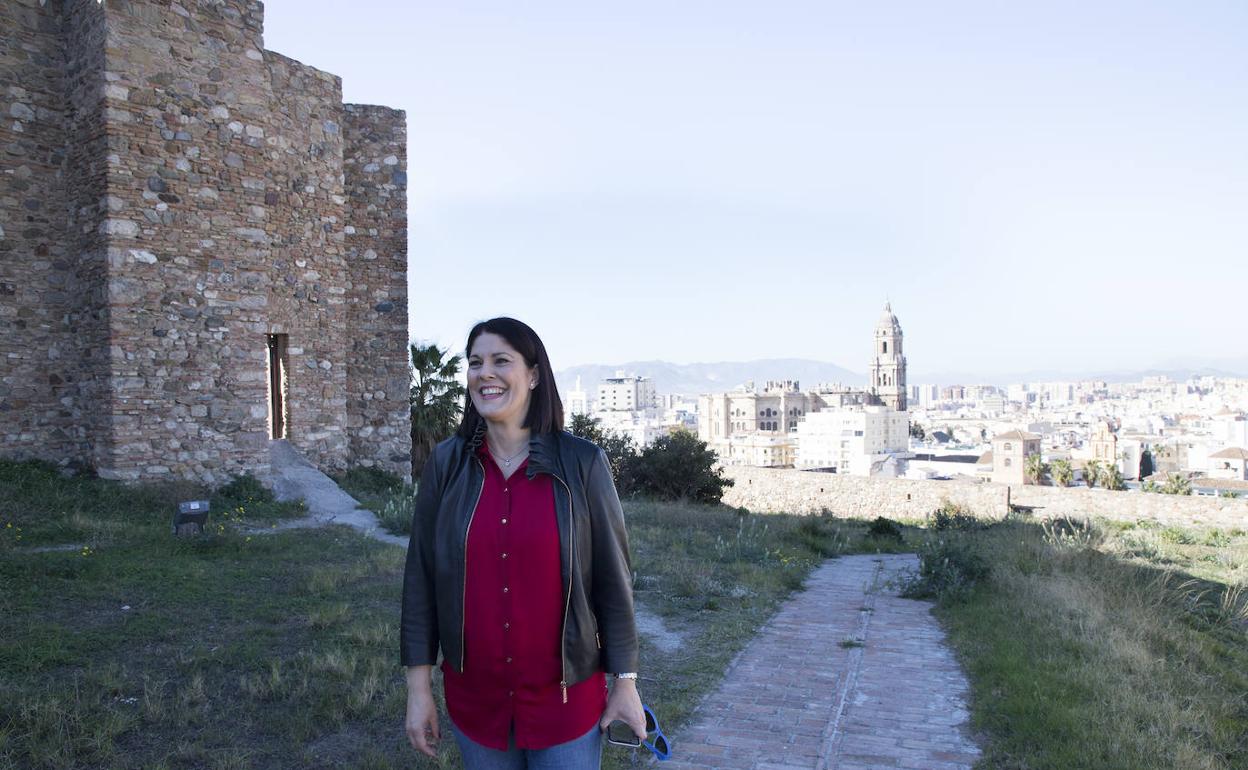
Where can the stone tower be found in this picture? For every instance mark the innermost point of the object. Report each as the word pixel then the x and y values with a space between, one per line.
pixel 888 365
pixel 201 247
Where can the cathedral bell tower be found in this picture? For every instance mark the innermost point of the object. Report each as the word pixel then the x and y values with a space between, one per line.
pixel 888 365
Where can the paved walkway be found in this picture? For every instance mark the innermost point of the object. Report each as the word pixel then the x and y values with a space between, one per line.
pixel 846 676
pixel 295 478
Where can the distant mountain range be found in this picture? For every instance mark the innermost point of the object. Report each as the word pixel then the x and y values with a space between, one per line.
pixel 717 377
pixel 722 376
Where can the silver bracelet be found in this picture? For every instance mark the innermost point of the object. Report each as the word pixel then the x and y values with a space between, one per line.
pixel 628 675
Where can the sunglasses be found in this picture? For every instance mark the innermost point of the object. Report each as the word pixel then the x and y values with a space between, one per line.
pixel 621 734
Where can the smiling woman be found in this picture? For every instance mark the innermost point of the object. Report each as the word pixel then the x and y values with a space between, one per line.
pixel 518 571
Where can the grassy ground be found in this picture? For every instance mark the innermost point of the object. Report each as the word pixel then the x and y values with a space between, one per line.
pixel 1104 646
pixel 238 649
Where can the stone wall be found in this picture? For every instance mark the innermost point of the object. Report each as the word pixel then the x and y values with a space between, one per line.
pixel 378 378
pixel 202 208
pixel 36 268
pixel 789 491
pixel 86 175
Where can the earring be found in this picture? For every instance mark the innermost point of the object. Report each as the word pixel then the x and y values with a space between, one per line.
pixel 532 385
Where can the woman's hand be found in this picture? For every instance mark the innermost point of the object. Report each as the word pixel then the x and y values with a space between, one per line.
pixel 421 723
pixel 624 705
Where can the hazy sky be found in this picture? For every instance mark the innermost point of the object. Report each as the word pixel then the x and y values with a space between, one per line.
pixel 1040 185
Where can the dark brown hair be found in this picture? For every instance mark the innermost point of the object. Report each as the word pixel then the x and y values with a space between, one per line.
pixel 545 408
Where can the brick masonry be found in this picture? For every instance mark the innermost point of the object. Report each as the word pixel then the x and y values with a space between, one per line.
pixel 773 490
pixel 173 193
pixel 846 676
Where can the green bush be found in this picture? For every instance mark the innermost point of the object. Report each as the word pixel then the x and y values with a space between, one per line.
pixel 948 569
pixel 245 489
pixel 884 528
pixel 679 466
pixel 371 481
pixel 951 515
pixel 620 450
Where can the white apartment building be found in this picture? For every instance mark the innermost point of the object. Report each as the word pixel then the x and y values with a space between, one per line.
pixel 643 430
pixel 577 400
pixel 850 440
pixel 1231 428
pixel 924 395
pixel 626 393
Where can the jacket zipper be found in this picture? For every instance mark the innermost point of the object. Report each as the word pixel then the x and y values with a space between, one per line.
pixel 563 631
pixel 463 606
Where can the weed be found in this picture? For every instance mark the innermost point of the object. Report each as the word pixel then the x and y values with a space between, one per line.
pixel 396 511
pixel 1176 535
pixel 951 515
pixel 849 644
pixel 949 567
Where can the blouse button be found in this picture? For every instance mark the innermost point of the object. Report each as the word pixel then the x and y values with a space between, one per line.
pixel 509 660
pixel 504 555
pixel 504 521
pixel 505 589
pixel 506 626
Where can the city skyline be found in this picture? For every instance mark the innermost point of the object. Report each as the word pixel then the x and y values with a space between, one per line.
pixel 1056 188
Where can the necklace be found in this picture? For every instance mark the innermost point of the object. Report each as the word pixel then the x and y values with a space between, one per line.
pixel 507 460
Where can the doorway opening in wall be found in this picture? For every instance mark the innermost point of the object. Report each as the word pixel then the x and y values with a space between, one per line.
pixel 278 367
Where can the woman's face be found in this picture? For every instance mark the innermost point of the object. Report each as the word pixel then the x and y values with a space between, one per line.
pixel 498 381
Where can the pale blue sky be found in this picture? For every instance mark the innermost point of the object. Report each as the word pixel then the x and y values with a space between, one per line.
pixel 1058 185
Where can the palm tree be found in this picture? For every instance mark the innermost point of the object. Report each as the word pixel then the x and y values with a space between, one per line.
pixel 1035 468
pixel 436 398
pixel 1111 477
pixel 1092 472
pixel 1177 484
pixel 1062 473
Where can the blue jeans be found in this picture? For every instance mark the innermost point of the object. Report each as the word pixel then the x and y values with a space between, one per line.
pixel 584 753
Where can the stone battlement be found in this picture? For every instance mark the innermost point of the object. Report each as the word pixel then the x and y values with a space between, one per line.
pixel 773 490
pixel 201 247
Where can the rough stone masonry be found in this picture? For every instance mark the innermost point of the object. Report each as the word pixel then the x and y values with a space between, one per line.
pixel 201 247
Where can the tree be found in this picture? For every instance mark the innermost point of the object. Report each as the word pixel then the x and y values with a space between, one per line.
pixel 917 432
pixel 679 466
pixel 1062 472
pixel 1092 472
pixel 620 450
pixel 1177 484
pixel 1146 464
pixel 436 398
pixel 1111 478
pixel 1035 468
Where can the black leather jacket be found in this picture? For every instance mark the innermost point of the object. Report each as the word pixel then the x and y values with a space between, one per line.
pixel 599 630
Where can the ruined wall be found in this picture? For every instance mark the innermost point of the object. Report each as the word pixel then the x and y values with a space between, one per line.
pixel 304 176
pixel 790 491
pixel 87 158
pixel 187 388
pixel 36 261
pixel 202 207
pixel 378 376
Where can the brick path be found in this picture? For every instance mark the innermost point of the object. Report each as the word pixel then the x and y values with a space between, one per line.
pixel 800 697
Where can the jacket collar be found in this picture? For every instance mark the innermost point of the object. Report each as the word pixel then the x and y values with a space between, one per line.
pixel 544 455
pixel 543 452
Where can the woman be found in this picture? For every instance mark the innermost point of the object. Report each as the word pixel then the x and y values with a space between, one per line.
pixel 518 570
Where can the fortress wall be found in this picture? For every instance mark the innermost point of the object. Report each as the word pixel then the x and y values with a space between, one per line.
pixel 790 491
pixel 378 376
pixel 36 260
pixel 179 194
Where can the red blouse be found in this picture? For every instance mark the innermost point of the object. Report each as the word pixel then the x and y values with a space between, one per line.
pixel 513 618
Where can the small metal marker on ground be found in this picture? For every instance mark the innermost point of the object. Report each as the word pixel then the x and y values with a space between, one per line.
pixel 191 517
